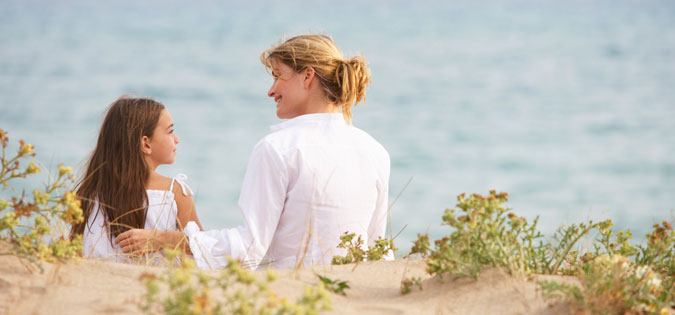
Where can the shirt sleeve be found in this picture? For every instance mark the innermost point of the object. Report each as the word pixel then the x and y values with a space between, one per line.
pixel 378 222
pixel 261 202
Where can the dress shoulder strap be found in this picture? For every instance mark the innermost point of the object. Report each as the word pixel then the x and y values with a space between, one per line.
pixel 181 179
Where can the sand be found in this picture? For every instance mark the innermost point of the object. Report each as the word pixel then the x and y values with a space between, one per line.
pixel 84 286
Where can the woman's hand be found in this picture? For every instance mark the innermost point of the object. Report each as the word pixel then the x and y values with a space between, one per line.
pixel 140 241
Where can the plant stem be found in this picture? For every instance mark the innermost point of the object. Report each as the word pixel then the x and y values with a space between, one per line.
pixel 569 247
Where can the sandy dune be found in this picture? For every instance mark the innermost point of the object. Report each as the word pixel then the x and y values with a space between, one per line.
pixel 88 287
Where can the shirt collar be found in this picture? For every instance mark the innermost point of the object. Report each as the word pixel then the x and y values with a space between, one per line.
pixel 331 118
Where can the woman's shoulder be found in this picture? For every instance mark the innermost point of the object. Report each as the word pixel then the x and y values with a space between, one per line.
pixel 288 139
pixel 367 140
pixel 276 141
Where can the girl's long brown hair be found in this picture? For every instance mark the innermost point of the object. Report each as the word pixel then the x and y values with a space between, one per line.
pixel 117 171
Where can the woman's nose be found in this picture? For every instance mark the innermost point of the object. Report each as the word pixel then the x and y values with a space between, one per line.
pixel 270 92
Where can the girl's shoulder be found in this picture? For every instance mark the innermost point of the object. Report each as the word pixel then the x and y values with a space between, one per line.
pixel 175 188
pixel 177 184
pixel 158 182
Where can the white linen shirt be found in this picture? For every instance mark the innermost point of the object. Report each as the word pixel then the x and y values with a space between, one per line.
pixel 312 179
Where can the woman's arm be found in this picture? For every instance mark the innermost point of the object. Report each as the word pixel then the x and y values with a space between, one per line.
pixel 378 223
pixel 140 240
pixel 143 241
pixel 261 202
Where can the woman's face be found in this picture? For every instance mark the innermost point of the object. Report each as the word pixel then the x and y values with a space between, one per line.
pixel 288 91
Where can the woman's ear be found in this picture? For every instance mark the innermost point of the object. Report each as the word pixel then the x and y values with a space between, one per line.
pixel 145 145
pixel 308 76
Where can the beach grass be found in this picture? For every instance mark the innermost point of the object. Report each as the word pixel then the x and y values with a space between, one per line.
pixel 615 276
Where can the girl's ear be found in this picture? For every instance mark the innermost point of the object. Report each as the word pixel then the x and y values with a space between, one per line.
pixel 308 76
pixel 145 145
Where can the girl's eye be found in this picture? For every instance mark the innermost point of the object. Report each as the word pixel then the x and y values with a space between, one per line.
pixel 171 131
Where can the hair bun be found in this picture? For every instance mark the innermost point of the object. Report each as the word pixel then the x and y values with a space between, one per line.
pixel 353 76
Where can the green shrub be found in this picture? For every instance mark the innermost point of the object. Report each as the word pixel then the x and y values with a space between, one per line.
pixel 37 230
pixel 407 284
pixel 356 253
pixel 336 286
pixel 615 276
pixel 612 285
pixel 484 235
pixel 235 291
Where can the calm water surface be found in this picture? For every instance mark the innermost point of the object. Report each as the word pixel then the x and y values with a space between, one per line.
pixel 569 107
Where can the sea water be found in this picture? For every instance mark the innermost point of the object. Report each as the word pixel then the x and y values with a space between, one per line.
pixel 567 105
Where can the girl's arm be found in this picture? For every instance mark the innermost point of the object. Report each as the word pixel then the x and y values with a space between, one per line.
pixel 186 209
pixel 140 240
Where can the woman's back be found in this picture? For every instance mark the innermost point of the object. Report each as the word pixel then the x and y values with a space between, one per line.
pixel 337 181
pixel 161 215
pixel 309 181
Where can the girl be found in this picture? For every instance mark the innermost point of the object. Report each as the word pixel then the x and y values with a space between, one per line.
pixel 121 189
pixel 313 178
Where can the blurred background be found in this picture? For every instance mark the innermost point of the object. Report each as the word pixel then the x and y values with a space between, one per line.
pixel 568 106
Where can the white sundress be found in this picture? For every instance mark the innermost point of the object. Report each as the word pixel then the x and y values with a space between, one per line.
pixel 161 215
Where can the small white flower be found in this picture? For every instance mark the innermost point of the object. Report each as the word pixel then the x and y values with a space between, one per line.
pixel 654 281
pixel 640 271
pixel 616 258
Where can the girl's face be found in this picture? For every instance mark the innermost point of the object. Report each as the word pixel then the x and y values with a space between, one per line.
pixel 288 91
pixel 161 147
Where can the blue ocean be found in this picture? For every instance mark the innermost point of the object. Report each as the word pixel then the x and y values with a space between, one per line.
pixel 567 105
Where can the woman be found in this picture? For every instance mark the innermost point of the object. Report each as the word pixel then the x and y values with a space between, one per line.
pixel 313 177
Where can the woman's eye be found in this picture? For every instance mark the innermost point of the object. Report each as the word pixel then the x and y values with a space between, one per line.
pixel 171 131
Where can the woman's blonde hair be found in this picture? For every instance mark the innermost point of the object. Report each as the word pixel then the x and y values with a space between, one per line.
pixel 343 80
